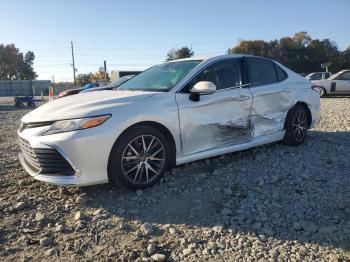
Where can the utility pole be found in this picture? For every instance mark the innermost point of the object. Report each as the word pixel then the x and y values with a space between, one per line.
pixel 71 43
pixel 105 68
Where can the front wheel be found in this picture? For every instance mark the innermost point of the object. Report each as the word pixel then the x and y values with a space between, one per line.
pixel 297 123
pixel 139 158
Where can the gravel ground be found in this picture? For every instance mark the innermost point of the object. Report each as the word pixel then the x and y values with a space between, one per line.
pixel 271 203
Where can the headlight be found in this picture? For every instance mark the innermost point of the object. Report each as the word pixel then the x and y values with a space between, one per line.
pixel 75 124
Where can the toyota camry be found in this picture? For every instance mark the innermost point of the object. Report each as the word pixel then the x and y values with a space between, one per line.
pixel 172 113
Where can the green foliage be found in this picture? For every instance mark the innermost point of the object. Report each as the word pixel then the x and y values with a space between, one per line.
pixel 183 52
pixel 13 65
pixel 83 79
pixel 300 53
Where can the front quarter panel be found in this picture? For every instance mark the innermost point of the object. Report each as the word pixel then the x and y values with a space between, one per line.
pixel 160 108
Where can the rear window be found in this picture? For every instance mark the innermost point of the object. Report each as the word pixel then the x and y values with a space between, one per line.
pixel 281 75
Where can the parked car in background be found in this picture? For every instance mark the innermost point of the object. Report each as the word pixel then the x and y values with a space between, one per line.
pixel 172 113
pixel 77 90
pixel 318 76
pixel 337 84
pixel 113 85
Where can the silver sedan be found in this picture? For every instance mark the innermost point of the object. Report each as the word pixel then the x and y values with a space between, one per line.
pixel 338 84
pixel 170 114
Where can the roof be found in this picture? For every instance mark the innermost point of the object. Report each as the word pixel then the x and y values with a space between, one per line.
pixel 210 57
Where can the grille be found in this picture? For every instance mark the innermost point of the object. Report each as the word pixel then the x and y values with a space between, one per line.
pixel 45 161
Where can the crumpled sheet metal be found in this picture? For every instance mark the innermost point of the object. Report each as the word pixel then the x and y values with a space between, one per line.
pixel 230 126
pixel 269 111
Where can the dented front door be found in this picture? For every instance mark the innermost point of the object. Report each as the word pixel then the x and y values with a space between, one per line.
pixel 216 120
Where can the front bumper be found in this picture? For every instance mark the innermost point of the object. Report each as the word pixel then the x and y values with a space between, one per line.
pixel 86 152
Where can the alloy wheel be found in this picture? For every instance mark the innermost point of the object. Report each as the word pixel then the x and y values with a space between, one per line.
pixel 321 92
pixel 300 125
pixel 143 159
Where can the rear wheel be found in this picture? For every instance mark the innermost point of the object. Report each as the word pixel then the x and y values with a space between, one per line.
pixel 297 123
pixel 139 158
pixel 322 92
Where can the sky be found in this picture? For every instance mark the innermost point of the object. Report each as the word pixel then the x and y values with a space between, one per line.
pixel 134 35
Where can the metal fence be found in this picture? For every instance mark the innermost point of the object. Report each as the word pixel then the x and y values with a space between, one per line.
pixel 12 88
pixel 24 88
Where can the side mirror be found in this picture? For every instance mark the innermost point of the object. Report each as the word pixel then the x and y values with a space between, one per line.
pixel 202 88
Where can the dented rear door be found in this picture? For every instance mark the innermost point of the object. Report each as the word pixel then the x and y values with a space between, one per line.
pixel 219 119
pixel 271 95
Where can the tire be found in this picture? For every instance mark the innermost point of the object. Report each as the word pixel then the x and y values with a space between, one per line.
pixel 134 167
pixel 322 92
pixel 19 104
pixel 31 104
pixel 296 125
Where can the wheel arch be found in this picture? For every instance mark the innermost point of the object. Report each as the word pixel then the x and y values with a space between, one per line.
pixel 300 103
pixel 160 127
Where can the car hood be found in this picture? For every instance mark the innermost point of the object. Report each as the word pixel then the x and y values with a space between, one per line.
pixel 84 104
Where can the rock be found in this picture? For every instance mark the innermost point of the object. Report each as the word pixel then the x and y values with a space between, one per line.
pixel 187 251
pixel 158 257
pixel 347 210
pixel 217 229
pixel 45 241
pixel 139 192
pixel 309 226
pixel 146 228
pixel 79 216
pixel 82 199
pixel 59 228
pixel 19 206
pixel 50 252
pixel 151 249
pixel 172 231
pixel 97 212
pixel 39 216
pixel 112 252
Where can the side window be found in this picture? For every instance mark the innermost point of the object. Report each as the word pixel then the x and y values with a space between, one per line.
pixel 281 75
pixel 327 75
pixel 223 74
pixel 261 71
pixel 344 76
pixel 316 76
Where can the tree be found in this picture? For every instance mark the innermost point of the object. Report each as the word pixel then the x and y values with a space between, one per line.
pixel 83 79
pixel 100 75
pixel 345 61
pixel 300 52
pixel 183 52
pixel 14 65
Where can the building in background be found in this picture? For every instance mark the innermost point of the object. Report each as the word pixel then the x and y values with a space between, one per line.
pixel 115 75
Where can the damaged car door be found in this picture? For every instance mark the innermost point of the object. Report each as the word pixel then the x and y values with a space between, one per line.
pixel 218 119
pixel 271 95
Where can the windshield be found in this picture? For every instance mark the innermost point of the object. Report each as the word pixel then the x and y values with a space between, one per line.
pixel 160 77
pixel 336 75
